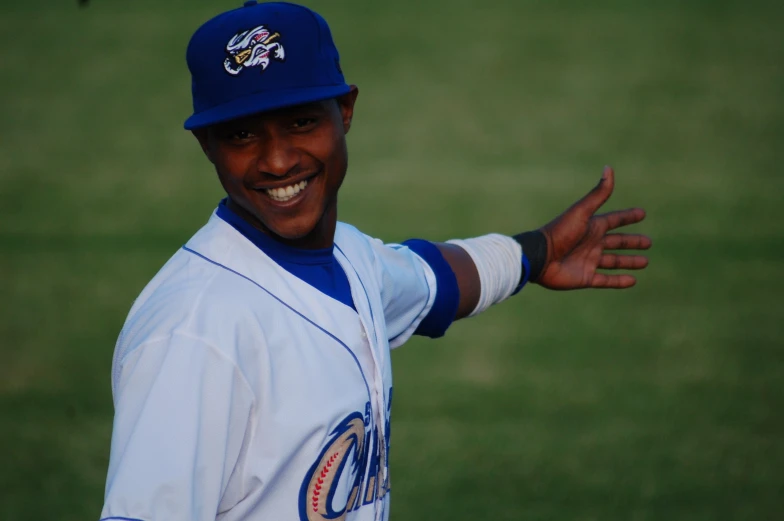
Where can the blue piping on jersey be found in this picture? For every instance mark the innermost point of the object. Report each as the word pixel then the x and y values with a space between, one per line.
pixel 367 387
pixel 121 519
pixel 370 305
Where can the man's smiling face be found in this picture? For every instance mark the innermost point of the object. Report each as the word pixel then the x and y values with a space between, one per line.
pixel 282 169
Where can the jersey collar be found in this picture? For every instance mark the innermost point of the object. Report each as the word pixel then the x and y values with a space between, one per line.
pixel 274 249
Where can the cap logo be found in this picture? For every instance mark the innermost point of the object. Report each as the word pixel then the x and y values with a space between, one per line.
pixel 252 48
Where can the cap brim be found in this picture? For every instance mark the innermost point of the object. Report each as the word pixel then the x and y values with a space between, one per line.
pixel 262 102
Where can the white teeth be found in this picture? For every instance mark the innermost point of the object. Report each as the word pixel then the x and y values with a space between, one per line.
pixel 287 192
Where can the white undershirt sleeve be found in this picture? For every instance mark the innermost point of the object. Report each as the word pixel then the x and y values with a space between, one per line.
pixel 181 414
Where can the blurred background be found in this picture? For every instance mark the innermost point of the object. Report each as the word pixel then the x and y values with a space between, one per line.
pixel 661 402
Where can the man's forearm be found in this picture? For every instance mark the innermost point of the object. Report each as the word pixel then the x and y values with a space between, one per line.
pixel 489 269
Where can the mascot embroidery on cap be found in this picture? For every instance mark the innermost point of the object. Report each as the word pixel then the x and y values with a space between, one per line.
pixel 252 48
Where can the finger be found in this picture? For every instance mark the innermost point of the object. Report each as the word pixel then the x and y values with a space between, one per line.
pixel 603 281
pixel 626 241
pixel 611 261
pixel 594 199
pixel 620 218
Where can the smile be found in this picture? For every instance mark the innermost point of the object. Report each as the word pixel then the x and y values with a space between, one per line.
pixel 286 193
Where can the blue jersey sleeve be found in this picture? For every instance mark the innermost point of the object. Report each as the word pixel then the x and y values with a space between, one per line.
pixel 444 308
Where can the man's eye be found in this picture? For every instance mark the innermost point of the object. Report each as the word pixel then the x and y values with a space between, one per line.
pixel 304 122
pixel 240 135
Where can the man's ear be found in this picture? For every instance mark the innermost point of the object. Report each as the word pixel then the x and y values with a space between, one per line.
pixel 346 106
pixel 202 136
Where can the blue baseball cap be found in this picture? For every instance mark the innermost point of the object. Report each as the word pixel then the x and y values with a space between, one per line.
pixel 261 57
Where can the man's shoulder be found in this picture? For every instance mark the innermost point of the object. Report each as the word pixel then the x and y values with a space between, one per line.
pixel 192 294
pixel 188 279
pixel 345 231
pixel 184 289
pixel 349 238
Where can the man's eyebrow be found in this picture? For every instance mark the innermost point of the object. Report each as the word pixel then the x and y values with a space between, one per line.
pixel 316 106
pixel 307 107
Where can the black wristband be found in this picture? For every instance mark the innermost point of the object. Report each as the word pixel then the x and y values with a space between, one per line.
pixel 535 248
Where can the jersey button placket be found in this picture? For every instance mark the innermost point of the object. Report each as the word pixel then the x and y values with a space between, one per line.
pixel 380 416
pixel 377 397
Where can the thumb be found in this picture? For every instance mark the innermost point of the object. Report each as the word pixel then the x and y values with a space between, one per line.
pixel 594 199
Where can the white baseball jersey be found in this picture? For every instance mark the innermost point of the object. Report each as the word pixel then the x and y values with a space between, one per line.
pixel 241 392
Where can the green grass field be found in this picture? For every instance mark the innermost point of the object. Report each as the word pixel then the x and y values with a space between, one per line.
pixel 664 402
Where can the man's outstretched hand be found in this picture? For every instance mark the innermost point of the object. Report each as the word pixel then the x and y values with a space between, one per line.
pixel 578 242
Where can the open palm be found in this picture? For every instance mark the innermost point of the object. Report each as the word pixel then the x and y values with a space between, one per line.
pixel 578 242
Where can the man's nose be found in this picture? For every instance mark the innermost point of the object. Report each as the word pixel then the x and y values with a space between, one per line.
pixel 278 156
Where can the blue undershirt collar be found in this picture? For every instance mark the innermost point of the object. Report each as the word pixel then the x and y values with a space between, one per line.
pixel 275 249
pixel 319 268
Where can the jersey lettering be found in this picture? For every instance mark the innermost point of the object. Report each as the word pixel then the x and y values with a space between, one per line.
pixel 353 454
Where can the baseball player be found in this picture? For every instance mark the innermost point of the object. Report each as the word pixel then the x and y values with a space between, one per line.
pixel 252 378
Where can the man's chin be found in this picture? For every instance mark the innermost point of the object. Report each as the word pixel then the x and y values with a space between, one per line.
pixel 298 235
pixel 290 235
